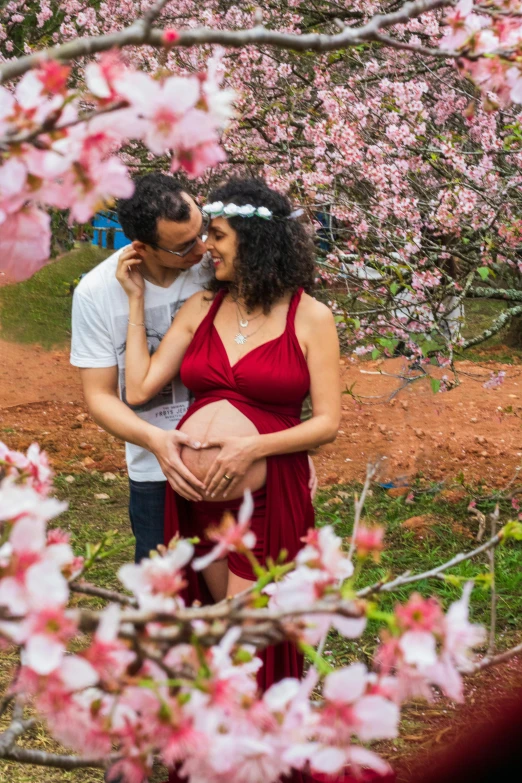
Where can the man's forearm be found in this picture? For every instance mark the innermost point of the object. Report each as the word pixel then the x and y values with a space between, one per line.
pixel 117 418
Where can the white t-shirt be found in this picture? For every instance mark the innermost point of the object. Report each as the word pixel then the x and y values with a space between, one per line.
pixel 99 331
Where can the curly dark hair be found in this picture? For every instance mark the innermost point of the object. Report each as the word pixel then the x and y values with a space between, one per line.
pixel 275 257
pixel 156 196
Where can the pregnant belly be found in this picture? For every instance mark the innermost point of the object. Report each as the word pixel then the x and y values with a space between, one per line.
pixel 218 420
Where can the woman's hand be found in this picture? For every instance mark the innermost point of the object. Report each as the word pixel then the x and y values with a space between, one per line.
pixel 128 273
pixel 236 456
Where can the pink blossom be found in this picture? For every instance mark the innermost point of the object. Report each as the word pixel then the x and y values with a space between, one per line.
pixel 107 654
pixel 418 648
pixel 194 142
pixel 420 614
pixel 102 75
pixel 170 36
pixel 162 105
pixel 369 540
pixel 461 636
pixel 324 551
pixel 25 239
pixel 53 76
pixel 230 536
pixel 39 470
pixel 496 380
pixel 18 501
pixel 157 581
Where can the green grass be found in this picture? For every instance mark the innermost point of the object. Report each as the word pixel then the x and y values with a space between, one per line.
pixel 89 520
pixel 39 309
pixel 452 531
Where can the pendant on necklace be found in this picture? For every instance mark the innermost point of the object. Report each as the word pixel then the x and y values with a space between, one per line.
pixel 240 339
pixel 243 324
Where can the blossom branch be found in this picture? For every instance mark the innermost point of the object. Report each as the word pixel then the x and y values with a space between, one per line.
pixel 101 592
pixel 43 759
pixel 139 34
pixel 17 727
pixel 498 324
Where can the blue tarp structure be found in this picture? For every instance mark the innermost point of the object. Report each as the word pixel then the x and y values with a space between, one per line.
pixel 106 223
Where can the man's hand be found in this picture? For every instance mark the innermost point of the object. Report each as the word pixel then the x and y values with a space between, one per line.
pixel 166 447
pixel 128 273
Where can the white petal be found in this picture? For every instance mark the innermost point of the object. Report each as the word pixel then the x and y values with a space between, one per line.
pixel 43 654
pixel 418 648
pixel 77 673
pixel 346 685
pixel 247 508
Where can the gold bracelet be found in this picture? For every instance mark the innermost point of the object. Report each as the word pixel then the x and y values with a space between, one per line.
pixel 131 324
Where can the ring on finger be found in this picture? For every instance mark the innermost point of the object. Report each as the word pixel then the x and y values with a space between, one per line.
pixel 227 478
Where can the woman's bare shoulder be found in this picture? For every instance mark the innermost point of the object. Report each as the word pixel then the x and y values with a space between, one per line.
pixel 313 312
pixel 197 304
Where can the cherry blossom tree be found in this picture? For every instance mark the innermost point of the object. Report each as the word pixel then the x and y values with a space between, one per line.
pixel 399 134
pixel 149 678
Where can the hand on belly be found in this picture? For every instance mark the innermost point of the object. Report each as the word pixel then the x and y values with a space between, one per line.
pixel 214 421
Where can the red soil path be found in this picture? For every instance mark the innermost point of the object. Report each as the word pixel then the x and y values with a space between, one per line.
pixel 468 430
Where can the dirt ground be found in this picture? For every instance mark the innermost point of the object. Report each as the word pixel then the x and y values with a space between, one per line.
pixel 470 430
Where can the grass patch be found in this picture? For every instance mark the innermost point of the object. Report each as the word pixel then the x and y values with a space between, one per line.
pixel 39 309
pixel 450 530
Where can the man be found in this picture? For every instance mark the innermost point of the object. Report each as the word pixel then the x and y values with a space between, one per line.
pixel 165 227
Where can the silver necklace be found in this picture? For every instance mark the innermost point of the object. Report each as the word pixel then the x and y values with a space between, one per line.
pixel 241 338
pixel 243 322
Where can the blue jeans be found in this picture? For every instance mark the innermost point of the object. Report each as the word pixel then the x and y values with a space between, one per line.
pixel 146 512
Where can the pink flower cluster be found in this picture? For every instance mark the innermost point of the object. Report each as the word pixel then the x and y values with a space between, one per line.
pixel 428 648
pixel 474 32
pixel 136 692
pixel 56 158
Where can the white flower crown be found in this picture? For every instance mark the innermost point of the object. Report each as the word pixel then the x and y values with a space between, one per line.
pixel 218 209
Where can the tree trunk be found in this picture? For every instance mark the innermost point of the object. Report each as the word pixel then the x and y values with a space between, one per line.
pixel 513 334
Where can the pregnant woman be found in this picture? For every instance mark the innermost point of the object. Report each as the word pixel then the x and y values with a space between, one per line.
pixel 250 349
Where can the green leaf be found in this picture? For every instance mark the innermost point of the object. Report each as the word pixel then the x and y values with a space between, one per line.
pixel 394 288
pixel 512 530
pixel 322 666
pixel 456 581
pixel 483 272
pixel 376 353
pixel 435 385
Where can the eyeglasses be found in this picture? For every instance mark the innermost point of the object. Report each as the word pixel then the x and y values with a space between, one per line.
pixel 202 235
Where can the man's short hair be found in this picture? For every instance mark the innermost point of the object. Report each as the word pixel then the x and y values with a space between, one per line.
pixel 156 197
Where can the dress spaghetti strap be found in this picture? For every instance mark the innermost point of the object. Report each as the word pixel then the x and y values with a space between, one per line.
pixel 216 304
pixel 292 309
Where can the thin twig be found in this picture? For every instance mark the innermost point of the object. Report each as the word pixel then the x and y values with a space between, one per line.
pixel 491 558
pixel 494 660
pixel 406 579
pixel 101 592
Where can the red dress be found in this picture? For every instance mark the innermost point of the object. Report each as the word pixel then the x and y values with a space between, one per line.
pixel 268 385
